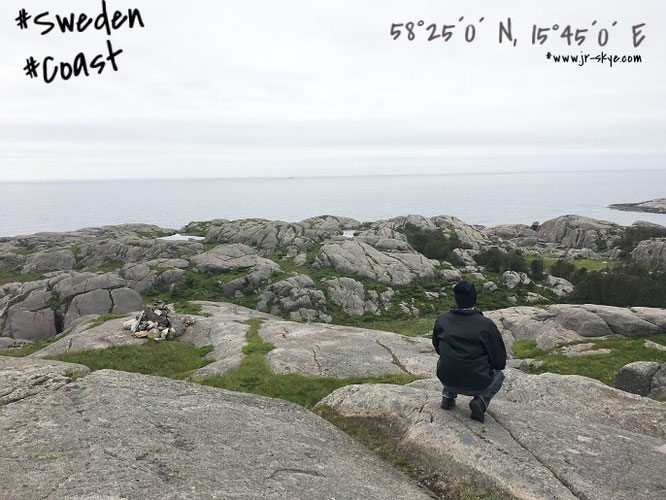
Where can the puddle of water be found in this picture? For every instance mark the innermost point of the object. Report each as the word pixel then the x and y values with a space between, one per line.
pixel 181 237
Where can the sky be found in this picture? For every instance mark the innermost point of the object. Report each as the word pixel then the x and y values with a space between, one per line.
pixel 243 88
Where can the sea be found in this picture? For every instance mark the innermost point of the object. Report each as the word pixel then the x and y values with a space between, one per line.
pixel 485 199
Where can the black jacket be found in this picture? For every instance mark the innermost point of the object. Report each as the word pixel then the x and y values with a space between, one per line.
pixel 470 349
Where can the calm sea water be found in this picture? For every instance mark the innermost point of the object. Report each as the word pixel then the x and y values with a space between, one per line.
pixel 487 199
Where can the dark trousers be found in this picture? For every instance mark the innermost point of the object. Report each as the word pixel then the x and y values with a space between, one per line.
pixel 485 394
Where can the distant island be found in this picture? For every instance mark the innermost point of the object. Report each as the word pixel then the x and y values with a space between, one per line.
pixel 656 206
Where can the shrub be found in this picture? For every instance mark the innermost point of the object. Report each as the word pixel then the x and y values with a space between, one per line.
pixel 633 235
pixel 624 286
pixel 497 261
pixel 563 269
pixel 433 243
pixel 536 269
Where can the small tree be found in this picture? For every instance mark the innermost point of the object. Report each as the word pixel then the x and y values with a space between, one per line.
pixel 536 269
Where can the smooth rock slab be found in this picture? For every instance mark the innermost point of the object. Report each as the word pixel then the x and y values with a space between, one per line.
pixel 21 378
pixel 84 337
pixel 322 350
pixel 547 436
pixel 124 435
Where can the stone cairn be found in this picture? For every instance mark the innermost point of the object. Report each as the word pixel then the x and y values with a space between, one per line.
pixel 158 323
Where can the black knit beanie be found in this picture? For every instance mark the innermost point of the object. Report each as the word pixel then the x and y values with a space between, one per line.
pixel 465 294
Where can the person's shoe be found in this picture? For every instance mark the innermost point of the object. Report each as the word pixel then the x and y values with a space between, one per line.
pixel 478 409
pixel 448 403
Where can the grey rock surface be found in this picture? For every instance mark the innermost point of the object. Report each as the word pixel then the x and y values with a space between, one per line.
pixel 103 301
pixel 32 318
pixel 651 253
pixel 22 378
pixel 225 258
pixel 575 231
pixel 297 295
pixel 321 350
pixel 85 337
pixel 360 259
pixel 268 236
pixel 57 260
pixel 637 377
pixel 558 324
pixel 187 441
pixel 547 436
pixel 657 206
pixel 225 330
pixel 351 296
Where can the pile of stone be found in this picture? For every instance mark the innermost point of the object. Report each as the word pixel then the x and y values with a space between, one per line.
pixel 158 322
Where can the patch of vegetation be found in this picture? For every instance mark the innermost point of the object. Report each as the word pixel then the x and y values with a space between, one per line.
pixel 537 267
pixel 498 261
pixel 13 275
pixel 626 285
pixel 27 349
pixel 602 367
pixel 433 243
pixel 33 347
pixel 104 318
pixel 195 286
pixel 175 360
pixel 186 307
pixel 633 235
pixel 256 377
pixel 588 264
pixel 526 349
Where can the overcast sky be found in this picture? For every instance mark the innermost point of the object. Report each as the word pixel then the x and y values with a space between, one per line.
pixel 219 88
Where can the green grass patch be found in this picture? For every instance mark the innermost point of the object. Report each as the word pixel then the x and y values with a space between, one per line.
pixel 175 360
pixel 256 377
pixel 13 275
pixel 526 349
pixel 186 307
pixel 28 348
pixel 602 367
pixel 33 347
pixel 104 318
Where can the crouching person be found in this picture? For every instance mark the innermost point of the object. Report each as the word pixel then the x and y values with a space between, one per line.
pixel 471 353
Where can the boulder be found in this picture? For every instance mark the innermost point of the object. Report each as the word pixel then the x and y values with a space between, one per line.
pixel 452 275
pixel 10 259
pixel 513 279
pixel 560 286
pixel 490 286
pixel 651 253
pixel 623 321
pixel 636 377
pixel 68 286
pixel 58 260
pixel 575 231
pixel 33 318
pixel 226 258
pixel 269 236
pixel 547 436
pixel 350 295
pixel 103 301
pixel 187 441
pixel 86 337
pixel 360 259
pixel 296 294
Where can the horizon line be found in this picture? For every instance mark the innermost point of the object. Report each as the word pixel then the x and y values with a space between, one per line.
pixel 329 176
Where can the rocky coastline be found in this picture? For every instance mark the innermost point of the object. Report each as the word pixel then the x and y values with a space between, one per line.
pixel 312 294
pixel 656 206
